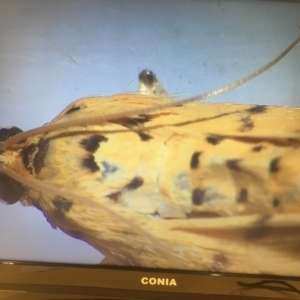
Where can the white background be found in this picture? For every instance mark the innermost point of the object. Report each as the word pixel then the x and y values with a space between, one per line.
pixel 54 52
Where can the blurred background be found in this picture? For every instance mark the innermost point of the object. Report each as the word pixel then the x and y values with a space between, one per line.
pixel 54 52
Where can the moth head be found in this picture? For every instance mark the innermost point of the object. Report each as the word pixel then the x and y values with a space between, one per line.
pixel 11 191
pixel 150 85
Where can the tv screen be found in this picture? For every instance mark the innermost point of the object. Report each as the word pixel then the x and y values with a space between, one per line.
pixel 127 190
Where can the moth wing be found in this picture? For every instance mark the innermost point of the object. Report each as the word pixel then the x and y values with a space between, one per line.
pixel 256 243
pixel 142 173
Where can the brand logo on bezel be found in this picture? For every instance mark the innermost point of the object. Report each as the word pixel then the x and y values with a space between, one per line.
pixel 158 281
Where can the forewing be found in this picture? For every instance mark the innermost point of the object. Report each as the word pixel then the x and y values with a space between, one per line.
pixel 172 188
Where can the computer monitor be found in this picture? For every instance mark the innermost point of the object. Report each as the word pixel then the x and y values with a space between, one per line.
pixel 141 238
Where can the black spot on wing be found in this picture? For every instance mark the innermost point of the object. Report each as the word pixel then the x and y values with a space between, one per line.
pixel 242 196
pixel 247 124
pixel 27 157
pixel 198 196
pixel 6 133
pixel 72 109
pixel 214 139
pixel 275 202
pixel 92 143
pixel 144 136
pixel 257 148
pixel 135 183
pixel 274 165
pixel 90 163
pixel 62 206
pixel 39 158
pixel 33 156
pixel 220 263
pixel 233 164
pixel 136 125
pixel 257 109
pixel 194 164
pixel 11 191
pixel 115 197
pixel 134 121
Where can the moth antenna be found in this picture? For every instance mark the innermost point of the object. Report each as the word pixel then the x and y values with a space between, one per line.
pixel 103 118
pixel 43 188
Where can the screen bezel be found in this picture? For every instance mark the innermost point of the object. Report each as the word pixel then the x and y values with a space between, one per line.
pixel 125 282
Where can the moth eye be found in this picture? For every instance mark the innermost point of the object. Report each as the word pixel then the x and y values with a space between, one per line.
pixel 147 77
pixel 11 191
pixel 6 133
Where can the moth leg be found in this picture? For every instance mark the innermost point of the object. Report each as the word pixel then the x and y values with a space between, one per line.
pixel 150 85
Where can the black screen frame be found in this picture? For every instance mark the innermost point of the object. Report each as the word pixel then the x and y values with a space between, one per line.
pixel 46 280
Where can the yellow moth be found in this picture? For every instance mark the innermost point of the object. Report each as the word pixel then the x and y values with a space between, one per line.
pixel 161 184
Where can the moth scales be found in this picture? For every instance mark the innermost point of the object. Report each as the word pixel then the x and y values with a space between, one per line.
pixel 184 185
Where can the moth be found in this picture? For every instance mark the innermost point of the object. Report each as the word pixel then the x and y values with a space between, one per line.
pixel 155 183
